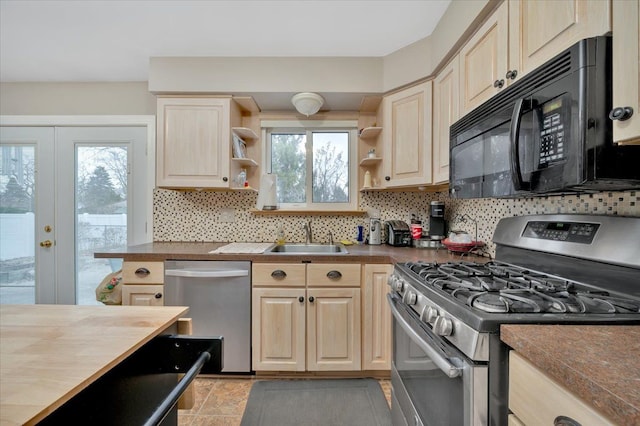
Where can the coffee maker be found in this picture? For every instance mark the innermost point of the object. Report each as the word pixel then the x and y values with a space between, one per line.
pixel 437 224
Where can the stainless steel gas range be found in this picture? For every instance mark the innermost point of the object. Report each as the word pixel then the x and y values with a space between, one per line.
pixel 449 365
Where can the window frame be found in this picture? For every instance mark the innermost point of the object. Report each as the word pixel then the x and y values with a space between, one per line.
pixel 309 127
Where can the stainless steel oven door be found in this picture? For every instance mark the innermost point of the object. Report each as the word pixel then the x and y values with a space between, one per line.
pixel 433 383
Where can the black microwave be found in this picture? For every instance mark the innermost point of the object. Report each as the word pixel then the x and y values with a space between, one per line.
pixel 549 132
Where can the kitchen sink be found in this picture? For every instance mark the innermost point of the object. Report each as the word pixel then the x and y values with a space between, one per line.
pixel 301 248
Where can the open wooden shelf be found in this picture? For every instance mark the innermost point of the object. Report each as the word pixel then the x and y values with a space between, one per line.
pixel 370 161
pixel 369 132
pixel 244 132
pixel 246 162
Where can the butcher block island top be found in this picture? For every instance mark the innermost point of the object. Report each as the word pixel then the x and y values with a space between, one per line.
pixel 49 353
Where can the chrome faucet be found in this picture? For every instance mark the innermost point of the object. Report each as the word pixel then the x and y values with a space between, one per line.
pixel 307 231
pixel 330 238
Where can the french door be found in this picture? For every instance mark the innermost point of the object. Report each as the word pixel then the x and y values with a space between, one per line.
pixel 65 193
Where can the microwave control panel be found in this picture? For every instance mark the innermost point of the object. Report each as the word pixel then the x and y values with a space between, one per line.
pixel 573 232
pixel 552 132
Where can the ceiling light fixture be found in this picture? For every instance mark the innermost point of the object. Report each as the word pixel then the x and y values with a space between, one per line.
pixel 307 103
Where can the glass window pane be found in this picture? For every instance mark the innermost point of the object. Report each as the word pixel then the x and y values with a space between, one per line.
pixel 288 162
pixel 101 209
pixel 17 224
pixel 330 167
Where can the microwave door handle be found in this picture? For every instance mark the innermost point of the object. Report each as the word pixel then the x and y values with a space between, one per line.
pixel 514 137
pixel 438 358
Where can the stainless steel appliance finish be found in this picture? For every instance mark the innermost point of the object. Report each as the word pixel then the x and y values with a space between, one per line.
pixel 218 295
pixel 398 233
pixel 550 132
pixel 375 231
pixel 550 269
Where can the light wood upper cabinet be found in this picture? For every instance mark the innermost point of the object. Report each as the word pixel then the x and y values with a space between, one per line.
pixel 484 59
pixel 193 142
pixel 445 112
pixel 407 140
pixel 376 318
pixel 539 30
pixel 626 73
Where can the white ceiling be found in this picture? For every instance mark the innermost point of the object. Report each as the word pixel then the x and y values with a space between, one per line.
pixel 76 40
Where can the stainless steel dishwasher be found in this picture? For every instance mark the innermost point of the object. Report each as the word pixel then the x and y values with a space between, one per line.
pixel 218 295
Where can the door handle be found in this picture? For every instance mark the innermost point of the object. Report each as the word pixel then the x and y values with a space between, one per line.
pixel 514 136
pixel 46 243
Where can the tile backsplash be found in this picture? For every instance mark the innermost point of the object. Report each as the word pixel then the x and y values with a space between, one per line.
pixel 196 216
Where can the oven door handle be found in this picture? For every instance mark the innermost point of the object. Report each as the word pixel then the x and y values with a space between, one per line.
pixel 436 356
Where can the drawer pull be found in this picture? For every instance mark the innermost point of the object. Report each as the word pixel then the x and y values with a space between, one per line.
pixel 565 421
pixel 300 299
pixel 311 299
pixel 279 274
pixel 158 295
pixel 142 272
pixel 334 275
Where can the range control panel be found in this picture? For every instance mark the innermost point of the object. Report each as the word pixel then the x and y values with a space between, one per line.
pixel 573 232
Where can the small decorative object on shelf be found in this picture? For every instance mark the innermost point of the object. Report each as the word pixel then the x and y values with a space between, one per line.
pixel 239 147
pixel 372 153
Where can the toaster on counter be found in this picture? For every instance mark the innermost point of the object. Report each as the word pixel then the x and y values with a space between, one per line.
pixel 398 233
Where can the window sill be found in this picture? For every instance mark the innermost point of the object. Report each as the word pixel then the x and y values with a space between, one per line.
pixel 281 212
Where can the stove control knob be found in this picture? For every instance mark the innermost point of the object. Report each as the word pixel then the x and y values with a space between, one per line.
pixel 410 298
pixel 443 326
pixel 398 285
pixel 429 314
pixel 391 280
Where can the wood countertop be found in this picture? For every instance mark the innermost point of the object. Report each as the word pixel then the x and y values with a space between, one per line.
pixel 599 364
pixel 160 251
pixel 49 353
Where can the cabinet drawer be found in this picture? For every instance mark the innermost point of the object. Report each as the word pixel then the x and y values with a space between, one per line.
pixel 278 274
pixel 536 399
pixel 143 295
pixel 143 272
pixel 333 275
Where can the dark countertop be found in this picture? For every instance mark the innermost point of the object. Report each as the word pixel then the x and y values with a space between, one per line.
pixel 160 251
pixel 599 364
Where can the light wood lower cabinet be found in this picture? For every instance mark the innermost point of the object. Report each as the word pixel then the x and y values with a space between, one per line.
pixel 143 294
pixel 536 399
pixel 278 329
pixel 305 324
pixel 376 318
pixel 143 283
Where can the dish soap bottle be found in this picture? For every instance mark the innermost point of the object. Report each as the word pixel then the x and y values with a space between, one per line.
pixel 280 240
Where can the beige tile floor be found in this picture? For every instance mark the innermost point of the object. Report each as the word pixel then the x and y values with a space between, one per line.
pixel 221 402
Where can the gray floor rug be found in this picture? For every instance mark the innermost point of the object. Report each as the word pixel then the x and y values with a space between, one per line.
pixel 343 402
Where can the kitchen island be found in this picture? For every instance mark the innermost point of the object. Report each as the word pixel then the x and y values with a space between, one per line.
pixel 50 353
pixel 598 364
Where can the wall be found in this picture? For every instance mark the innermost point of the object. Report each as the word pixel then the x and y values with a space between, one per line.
pixel 195 216
pixel 103 98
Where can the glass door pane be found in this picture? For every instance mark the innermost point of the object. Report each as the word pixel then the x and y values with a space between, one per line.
pixel 101 214
pixel 17 224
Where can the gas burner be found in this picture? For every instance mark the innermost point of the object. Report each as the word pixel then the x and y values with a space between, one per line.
pixel 494 287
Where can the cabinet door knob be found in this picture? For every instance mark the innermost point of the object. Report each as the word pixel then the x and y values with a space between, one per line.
pixel 311 299
pixel 511 74
pixel 387 178
pixel 158 295
pixel 621 113
pixel 300 299
pixel 278 274
pixel 498 84
pixel 334 275
pixel 225 179
pixel 142 272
